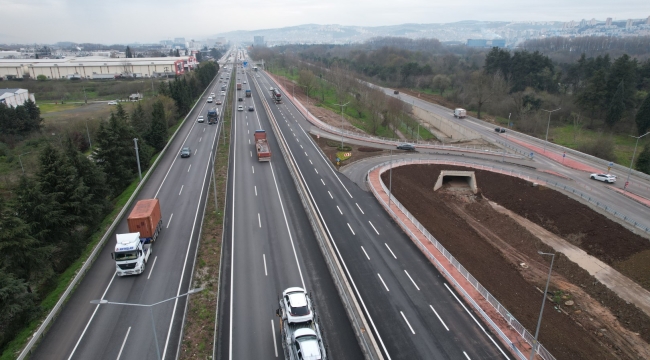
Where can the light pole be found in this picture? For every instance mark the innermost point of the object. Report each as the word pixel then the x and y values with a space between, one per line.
pixel 150 306
pixel 539 321
pixel 346 104
pixel 88 133
pixel 21 162
pixel 137 157
pixel 390 178
pixel 549 124
pixel 633 155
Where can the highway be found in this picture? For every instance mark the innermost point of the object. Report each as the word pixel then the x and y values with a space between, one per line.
pixel 412 312
pixel 269 246
pixel 86 331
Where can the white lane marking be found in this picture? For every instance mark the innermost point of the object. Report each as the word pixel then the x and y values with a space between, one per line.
pixel 123 342
pixel 364 251
pixel 341 212
pixel 195 150
pixel 306 154
pixel 443 323
pixel 259 221
pixel 301 146
pixel 203 129
pixel 321 180
pixel 476 321
pixel 407 322
pixel 251 153
pixel 253 169
pixel 232 244
pixel 373 227
pixel 265 272
pixel 330 194
pixel 201 138
pixel 249 132
pixel 247 121
pixel 179 193
pixel 391 251
pixel 414 284
pixel 351 229
pixel 360 208
pixel 275 346
pixel 249 141
pixel 467 356
pixel 170 220
pixel 316 170
pixel 255 190
pixel 298 140
pixel 380 278
pixel 152 266
pixel 188 169
pixel 311 162
pixel 91 317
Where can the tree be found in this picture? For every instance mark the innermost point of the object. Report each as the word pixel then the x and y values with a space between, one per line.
pixel 616 106
pixel 157 134
pixel 120 113
pixel 41 77
pixel 177 53
pixel 441 83
pixel 642 117
pixel 483 88
pixel 643 161
pixel 139 120
pixel 17 306
pixel 115 153
pixel 593 98
pixel 128 52
pixel 307 79
pixel 623 70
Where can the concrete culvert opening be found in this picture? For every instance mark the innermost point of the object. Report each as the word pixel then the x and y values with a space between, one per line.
pixel 462 181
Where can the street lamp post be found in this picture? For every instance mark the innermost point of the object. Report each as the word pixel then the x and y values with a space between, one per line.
pixel 88 133
pixel 21 162
pixel 549 124
pixel 150 306
pixel 390 179
pixel 633 155
pixel 539 321
pixel 342 120
pixel 137 157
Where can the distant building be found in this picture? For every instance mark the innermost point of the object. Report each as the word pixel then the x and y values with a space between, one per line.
pixel 258 40
pixel 648 21
pixel 608 22
pixel 484 43
pixel 629 23
pixel 15 97
pixel 179 40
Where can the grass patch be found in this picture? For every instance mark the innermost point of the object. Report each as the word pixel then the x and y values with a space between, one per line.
pixel 344 155
pixel 48 108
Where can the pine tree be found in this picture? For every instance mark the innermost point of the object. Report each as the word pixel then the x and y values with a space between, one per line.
pixel 139 120
pixel 34 116
pixel 642 117
pixel 157 135
pixel 44 215
pixel 120 113
pixel 17 306
pixel 643 161
pixel 95 180
pixel 115 153
pixel 616 107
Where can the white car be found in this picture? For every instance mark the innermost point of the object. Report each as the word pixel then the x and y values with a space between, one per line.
pixel 240 108
pixel 212 94
pixel 209 99
pixel 608 178
pixel 297 305
pixel 112 103
pixel 223 92
pixel 200 119
pixel 244 81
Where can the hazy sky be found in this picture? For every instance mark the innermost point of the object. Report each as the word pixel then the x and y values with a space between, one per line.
pixel 121 21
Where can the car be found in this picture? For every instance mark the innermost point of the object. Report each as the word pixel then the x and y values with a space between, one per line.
pixel 396 92
pixel 240 108
pixel 244 81
pixel 218 102
pixel 186 152
pixel 500 130
pixel 608 178
pixel 200 119
pixel 209 99
pixel 112 102
pixel 251 108
pixel 406 146
pixel 297 305
pixel 240 99
pixel 212 94
pixel 223 92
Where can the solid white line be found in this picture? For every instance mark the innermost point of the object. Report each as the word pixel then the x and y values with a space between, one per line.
pixel 407 322
pixel 195 150
pixel 152 265
pixel 316 170
pixel 476 321
pixel 391 251
pixel 170 220
pixel 351 229
pixel 253 169
pixel 259 222
pixel 232 242
pixel 249 132
pixel 330 194
pixel 373 227
pixel 188 169
pixel 249 141
pixel 439 318
pixel 179 193
pixel 364 251
pixel 201 138
pixel 360 209
pixel 382 280
pixel 275 346
pixel 264 257
pixel 255 190
pixel 414 284
pixel 91 317
pixel 467 356
pixel 321 180
pixel 123 342
pixel 341 212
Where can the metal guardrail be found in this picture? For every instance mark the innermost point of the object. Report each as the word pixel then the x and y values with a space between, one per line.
pixel 514 323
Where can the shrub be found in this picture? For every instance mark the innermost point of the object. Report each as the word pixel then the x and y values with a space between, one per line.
pixel 600 148
pixel 41 77
pixel 344 148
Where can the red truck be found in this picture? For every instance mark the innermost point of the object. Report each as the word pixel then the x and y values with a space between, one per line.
pixel 262 146
pixel 238 86
pixel 146 219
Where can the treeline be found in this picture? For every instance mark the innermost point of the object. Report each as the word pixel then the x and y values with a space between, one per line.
pixel 47 221
pixel 21 120
pixel 561 48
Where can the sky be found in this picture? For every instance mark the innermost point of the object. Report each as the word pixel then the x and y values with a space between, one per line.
pixel 147 21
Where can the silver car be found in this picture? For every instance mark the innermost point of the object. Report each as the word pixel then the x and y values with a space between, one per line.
pixel 608 178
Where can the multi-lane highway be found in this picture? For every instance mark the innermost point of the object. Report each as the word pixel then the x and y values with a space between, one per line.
pixel 411 311
pixel 86 331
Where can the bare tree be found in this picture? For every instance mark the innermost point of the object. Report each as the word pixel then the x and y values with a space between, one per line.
pixel 307 80
pixel 484 88
pixel 375 101
pixel 441 83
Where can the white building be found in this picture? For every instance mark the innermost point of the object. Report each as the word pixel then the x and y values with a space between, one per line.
pixel 15 97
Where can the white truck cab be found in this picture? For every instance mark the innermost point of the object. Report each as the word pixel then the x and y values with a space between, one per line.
pixel 130 254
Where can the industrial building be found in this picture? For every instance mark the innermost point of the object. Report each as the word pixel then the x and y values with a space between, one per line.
pixel 15 97
pixel 95 67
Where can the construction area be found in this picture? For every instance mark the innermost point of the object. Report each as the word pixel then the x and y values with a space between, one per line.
pixel 497 231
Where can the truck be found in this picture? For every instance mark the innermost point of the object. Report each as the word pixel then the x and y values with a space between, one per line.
pixel 213 116
pixel 300 334
pixel 248 93
pixel 262 146
pixel 133 249
pixel 238 86
pixel 276 95
pixel 460 113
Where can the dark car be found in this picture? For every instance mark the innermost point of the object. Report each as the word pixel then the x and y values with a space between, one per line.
pixel 186 152
pixel 407 147
pixel 251 108
pixel 395 92
pixel 500 130
pixel 240 99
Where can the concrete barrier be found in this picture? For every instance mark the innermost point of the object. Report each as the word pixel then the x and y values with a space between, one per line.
pixel 446 126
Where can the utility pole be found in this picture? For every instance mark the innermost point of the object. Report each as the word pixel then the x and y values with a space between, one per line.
pixel 390 179
pixel 548 125
pixel 88 133
pixel 342 121
pixel 137 157
pixel 21 161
